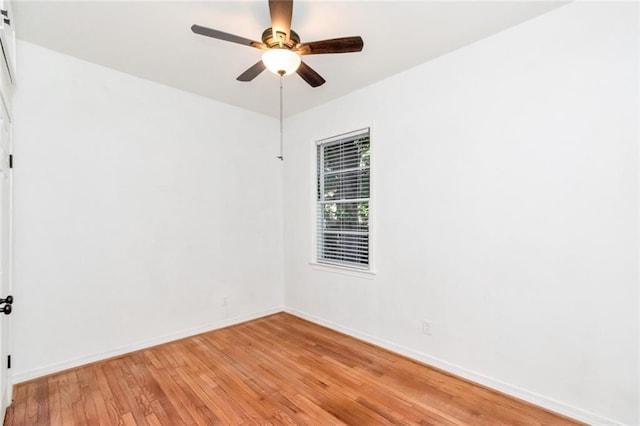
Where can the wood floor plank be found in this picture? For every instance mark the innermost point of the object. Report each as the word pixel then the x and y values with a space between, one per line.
pixel 111 411
pixel 277 370
pixel 32 405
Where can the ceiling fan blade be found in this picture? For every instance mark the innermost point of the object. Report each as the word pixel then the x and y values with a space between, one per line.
pixel 281 12
pixel 252 72
pixel 335 45
pixel 309 75
pixel 210 32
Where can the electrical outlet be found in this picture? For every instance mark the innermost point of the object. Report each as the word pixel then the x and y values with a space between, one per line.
pixel 224 301
pixel 426 327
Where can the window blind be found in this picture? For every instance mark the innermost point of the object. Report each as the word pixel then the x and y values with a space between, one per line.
pixel 343 192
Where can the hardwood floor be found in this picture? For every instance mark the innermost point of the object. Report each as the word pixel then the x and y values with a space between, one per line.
pixel 274 370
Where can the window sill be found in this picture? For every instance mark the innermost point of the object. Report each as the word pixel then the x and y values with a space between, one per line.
pixel 369 275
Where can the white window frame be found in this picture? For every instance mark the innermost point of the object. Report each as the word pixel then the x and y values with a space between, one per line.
pixel 349 268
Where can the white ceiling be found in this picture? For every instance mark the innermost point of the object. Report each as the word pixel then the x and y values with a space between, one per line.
pixel 153 40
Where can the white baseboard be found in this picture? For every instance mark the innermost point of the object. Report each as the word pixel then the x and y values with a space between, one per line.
pixel 61 366
pixel 532 397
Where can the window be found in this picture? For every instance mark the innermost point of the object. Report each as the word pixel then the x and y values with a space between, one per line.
pixel 343 200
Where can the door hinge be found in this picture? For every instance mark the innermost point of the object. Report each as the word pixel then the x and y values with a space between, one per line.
pixel 6 19
pixel 11 161
pixel 8 361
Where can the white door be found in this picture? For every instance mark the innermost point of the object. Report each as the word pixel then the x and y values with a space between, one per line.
pixel 5 255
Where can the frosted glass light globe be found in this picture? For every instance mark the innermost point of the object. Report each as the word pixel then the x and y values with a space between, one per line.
pixel 281 61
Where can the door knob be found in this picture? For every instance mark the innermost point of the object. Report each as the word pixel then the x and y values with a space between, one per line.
pixel 8 300
pixel 6 309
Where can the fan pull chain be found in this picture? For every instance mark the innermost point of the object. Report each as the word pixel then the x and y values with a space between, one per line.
pixel 280 156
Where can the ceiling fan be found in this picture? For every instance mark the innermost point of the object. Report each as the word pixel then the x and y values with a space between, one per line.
pixel 282 47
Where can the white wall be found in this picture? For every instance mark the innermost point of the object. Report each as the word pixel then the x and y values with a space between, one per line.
pixel 506 212
pixel 138 208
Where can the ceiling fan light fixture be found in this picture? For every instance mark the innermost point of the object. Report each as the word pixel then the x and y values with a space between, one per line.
pixel 281 61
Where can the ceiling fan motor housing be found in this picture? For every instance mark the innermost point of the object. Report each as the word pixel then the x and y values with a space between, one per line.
pixel 271 41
